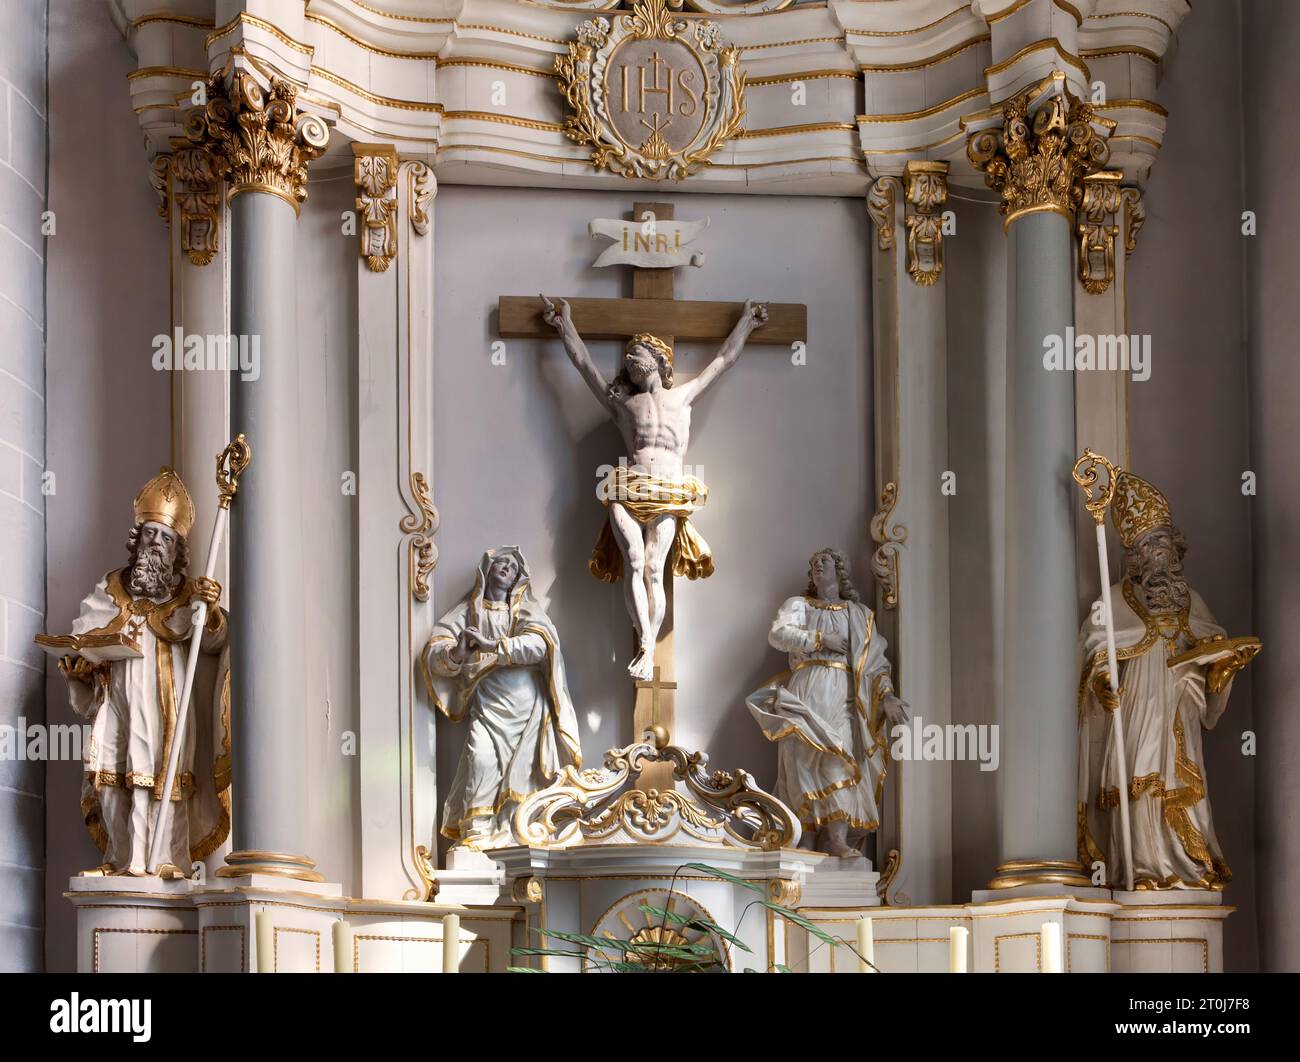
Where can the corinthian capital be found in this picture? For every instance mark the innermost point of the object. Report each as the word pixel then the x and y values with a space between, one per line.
pixel 1040 151
pixel 257 140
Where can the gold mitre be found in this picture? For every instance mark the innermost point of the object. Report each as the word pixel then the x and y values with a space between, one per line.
pixel 164 500
pixel 1137 508
pixel 653 342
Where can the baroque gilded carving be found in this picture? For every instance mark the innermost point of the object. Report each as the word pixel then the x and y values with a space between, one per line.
pixel 926 188
pixel 159 181
pixel 421 190
pixel 257 139
pixel 374 169
pixel 594 805
pixel 880 207
pixel 1135 215
pixel 1097 230
pixel 889 540
pixel 422 526
pixel 653 93
pixel 1038 160
pixel 198 199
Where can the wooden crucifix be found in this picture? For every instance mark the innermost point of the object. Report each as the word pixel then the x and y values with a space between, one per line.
pixel 649 502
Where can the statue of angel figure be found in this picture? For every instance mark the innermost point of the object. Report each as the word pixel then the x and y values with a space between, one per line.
pixel 830 714
pixel 649 497
pixel 495 658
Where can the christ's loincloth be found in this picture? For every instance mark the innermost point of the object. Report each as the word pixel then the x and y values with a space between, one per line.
pixel 646 498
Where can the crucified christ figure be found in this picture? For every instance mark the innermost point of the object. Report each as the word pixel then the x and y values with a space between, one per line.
pixel 649 497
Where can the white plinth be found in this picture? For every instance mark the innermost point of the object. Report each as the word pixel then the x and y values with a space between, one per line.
pixel 144 925
pixel 597 889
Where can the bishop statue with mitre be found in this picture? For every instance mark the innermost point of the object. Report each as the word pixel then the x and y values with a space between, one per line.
pixel 1176 666
pixel 125 674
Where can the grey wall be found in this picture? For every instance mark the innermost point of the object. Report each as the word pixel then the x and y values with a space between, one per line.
pixel 22 455
pixel 108 421
pixel 1189 421
pixel 785 450
pixel 1271 40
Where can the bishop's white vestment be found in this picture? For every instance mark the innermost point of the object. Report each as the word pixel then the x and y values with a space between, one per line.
pixel 1164 711
pixel 133 707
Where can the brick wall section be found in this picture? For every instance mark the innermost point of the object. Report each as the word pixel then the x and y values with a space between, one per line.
pixel 22 457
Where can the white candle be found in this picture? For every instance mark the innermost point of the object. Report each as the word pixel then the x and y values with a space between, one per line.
pixel 343 947
pixel 866 946
pixel 451 943
pixel 957 937
pixel 1050 944
pixel 265 942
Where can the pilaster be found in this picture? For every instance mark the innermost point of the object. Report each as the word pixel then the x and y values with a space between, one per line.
pixel 910 527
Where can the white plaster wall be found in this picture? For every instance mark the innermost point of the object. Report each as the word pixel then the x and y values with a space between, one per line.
pixel 22 455
pixel 107 290
pixel 1272 40
pixel 785 450
pixel 1188 422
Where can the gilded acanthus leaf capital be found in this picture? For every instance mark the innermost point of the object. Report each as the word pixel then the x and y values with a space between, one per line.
pixel 1040 151
pixel 257 139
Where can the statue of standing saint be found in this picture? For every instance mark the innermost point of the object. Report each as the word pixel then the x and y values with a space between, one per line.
pixel 495 658
pixel 649 497
pixel 828 713
pixel 1176 670
pixel 139 621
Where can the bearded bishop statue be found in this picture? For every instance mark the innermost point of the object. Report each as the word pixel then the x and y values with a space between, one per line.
pixel 134 631
pixel 1176 667
pixel 829 714
pixel 495 659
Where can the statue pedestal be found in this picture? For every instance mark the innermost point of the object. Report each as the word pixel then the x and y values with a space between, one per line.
pixel 598 889
pixel 1168 931
pixel 134 925
pixel 144 925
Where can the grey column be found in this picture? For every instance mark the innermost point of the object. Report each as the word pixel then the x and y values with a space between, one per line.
pixel 269 726
pixel 1039 757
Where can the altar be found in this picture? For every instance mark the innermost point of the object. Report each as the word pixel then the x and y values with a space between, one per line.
pixel 650 531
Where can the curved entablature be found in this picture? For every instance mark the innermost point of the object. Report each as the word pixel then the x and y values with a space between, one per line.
pixel 836 93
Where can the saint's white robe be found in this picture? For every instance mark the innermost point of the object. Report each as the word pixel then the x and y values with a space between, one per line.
pixel 1164 711
pixel 522 725
pixel 825 716
pixel 133 707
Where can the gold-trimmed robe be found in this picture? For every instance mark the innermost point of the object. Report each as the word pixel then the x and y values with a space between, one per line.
pixel 1164 712
pixel 133 706
pixel 522 725
pixel 824 714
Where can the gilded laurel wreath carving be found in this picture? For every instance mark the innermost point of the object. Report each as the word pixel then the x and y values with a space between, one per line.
pixel 654 94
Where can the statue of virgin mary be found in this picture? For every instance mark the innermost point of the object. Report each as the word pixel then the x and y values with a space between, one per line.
pixel 495 658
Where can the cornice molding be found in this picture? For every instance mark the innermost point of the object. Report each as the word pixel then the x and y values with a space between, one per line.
pixel 876 84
